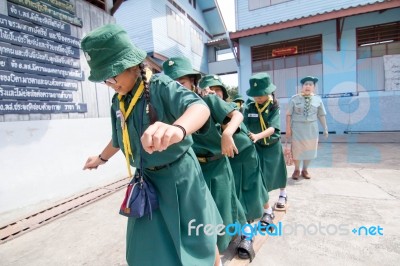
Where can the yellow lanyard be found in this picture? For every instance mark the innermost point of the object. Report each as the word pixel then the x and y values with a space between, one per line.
pixel 125 134
pixel 262 122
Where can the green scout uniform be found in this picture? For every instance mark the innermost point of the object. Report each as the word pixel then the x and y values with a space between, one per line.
pixel 271 154
pixel 270 149
pixel 217 172
pixel 182 192
pixel 248 175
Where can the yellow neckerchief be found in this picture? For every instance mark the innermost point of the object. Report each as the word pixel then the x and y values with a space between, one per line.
pixel 304 95
pixel 260 111
pixel 125 134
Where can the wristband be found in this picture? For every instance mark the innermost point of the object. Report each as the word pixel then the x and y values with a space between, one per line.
pixel 183 130
pixel 103 160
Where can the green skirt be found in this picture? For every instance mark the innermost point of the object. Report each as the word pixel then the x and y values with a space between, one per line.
pixel 219 178
pixel 167 239
pixel 249 182
pixel 273 165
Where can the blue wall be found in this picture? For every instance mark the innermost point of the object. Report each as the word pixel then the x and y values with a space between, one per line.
pixel 371 110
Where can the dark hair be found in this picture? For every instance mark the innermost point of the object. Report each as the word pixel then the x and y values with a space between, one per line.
pixel 195 79
pixel 151 110
pixel 275 104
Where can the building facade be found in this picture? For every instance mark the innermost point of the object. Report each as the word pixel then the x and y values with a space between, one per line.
pixel 168 28
pixel 353 47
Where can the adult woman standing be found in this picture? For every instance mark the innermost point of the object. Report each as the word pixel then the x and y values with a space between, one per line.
pixel 163 150
pixel 303 111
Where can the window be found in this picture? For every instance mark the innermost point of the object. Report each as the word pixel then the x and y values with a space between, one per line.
pixel 176 26
pixel 373 43
pixel 289 61
pixel 255 4
pixel 288 54
pixel 197 41
pixel 378 40
pixel 224 54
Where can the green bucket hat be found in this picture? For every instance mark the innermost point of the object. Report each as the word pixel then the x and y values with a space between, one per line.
pixel 177 67
pixel 260 85
pixel 309 78
pixel 213 80
pixel 237 98
pixel 109 51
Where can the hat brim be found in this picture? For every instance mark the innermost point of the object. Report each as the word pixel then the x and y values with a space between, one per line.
pixel 304 80
pixel 129 59
pixel 181 73
pixel 257 92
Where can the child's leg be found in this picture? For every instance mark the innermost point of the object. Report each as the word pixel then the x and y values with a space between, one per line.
pixel 281 204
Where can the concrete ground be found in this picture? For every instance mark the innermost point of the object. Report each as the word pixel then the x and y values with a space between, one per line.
pixel 353 186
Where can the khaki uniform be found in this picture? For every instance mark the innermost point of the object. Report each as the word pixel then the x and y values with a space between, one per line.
pixel 304 123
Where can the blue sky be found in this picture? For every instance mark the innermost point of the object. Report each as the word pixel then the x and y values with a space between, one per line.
pixel 227 8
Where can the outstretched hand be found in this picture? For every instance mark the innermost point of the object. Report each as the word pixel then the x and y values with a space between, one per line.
pixel 159 136
pixel 92 163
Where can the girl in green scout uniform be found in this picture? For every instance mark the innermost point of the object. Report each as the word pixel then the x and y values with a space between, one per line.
pixel 262 119
pixel 245 165
pixel 210 148
pixel 238 100
pixel 303 112
pixel 168 161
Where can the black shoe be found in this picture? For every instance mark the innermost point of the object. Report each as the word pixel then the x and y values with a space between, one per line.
pixel 266 220
pixel 245 249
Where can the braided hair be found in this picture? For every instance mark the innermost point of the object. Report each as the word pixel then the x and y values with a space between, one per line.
pixel 151 111
pixel 275 104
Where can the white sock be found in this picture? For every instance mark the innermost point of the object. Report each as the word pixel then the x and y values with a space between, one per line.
pixel 283 193
pixel 269 210
pixel 220 262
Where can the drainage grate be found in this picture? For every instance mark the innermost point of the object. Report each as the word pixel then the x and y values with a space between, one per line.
pixel 38 219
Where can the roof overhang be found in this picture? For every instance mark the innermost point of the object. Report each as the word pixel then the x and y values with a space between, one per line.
pixel 234 36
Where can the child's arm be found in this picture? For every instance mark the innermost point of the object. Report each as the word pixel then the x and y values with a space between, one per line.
pixel 264 134
pixel 228 146
pixel 159 136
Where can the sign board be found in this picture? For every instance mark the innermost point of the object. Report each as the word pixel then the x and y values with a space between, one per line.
pixel 284 51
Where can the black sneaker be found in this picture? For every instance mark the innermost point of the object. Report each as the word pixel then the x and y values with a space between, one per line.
pixel 245 249
pixel 266 220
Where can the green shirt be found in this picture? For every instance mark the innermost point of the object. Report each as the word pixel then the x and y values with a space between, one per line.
pixel 241 138
pixel 170 100
pixel 209 143
pixel 271 119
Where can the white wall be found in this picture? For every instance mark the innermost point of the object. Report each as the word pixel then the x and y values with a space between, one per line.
pixel 43 160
